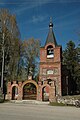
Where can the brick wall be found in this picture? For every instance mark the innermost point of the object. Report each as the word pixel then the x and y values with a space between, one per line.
pixel 53 64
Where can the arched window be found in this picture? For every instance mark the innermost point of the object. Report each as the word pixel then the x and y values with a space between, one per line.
pixel 50 52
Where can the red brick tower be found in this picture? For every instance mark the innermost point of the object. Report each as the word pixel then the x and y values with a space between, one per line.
pixel 50 62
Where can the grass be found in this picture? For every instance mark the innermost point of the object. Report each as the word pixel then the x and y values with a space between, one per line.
pixel 6 101
pixel 56 104
pixel 59 104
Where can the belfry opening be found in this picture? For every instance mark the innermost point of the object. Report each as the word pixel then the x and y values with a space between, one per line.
pixel 50 52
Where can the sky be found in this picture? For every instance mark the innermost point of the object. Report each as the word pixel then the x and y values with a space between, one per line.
pixel 33 17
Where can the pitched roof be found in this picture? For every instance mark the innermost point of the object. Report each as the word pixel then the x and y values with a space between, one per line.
pixel 51 37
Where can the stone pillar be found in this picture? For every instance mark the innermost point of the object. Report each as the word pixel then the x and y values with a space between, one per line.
pixel 39 95
pixel 52 97
pixel 20 91
pixel 9 91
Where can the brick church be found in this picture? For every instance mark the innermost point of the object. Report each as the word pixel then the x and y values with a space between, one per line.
pixel 52 82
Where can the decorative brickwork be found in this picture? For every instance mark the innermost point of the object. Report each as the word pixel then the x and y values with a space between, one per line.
pixel 20 85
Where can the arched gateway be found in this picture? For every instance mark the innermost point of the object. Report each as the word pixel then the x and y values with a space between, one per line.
pixel 29 90
pixel 22 90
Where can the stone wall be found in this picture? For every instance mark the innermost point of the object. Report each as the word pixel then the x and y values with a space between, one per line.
pixel 68 100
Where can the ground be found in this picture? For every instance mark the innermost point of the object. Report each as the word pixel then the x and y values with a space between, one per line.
pixel 17 111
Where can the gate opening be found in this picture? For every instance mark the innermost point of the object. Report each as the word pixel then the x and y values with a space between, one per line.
pixel 29 92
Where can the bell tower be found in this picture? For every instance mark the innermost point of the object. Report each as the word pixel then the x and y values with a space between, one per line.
pixel 50 61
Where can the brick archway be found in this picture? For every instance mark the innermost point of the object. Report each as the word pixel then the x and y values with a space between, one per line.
pixel 15 92
pixel 14 85
pixel 32 82
pixel 47 86
pixel 38 94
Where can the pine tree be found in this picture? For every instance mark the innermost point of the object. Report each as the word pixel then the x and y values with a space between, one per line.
pixel 71 60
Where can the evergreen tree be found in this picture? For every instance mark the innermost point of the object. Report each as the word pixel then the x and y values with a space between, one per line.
pixel 77 69
pixel 71 60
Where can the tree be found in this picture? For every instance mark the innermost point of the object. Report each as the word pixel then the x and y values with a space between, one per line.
pixel 70 59
pixel 77 69
pixel 10 45
pixel 30 57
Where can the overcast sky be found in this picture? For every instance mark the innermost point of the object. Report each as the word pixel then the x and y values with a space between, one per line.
pixel 33 17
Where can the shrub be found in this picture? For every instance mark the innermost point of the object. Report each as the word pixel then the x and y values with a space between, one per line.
pixel 1 97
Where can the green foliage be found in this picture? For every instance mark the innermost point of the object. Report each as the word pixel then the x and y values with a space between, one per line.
pixel 56 104
pixel 19 56
pixel 29 58
pixel 71 58
pixel 1 96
